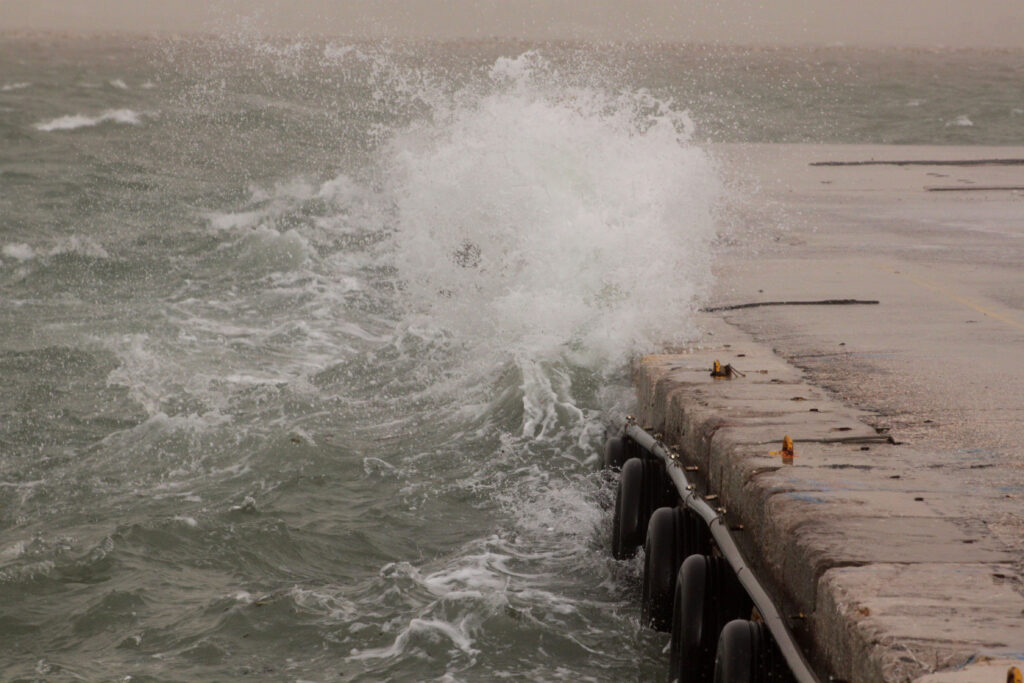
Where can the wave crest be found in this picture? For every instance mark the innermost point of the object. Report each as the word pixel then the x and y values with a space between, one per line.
pixel 75 121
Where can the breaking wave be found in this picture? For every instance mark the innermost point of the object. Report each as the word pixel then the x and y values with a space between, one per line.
pixel 75 121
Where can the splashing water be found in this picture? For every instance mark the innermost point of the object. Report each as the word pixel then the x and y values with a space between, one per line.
pixel 343 421
pixel 537 219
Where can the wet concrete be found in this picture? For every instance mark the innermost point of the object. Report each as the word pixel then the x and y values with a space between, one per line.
pixel 904 559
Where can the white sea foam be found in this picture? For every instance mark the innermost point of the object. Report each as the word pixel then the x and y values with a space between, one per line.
pixel 961 121
pixel 264 248
pixel 72 244
pixel 327 601
pixel 7 87
pixel 118 83
pixel 26 572
pixel 19 251
pixel 429 629
pixel 75 121
pixel 13 551
pixel 269 204
pixel 341 190
pixel 80 245
pixel 147 377
pixel 221 222
pixel 294 189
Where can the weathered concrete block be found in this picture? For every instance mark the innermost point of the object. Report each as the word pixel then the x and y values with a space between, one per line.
pixel 863 537
pixel 897 622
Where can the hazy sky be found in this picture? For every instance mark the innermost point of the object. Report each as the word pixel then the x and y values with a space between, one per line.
pixel 953 23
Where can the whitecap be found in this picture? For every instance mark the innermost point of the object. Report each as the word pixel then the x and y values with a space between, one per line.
pixel 247 505
pixel 961 121
pixel 294 189
pixel 13 86
pixel 373 465
pixel 326 601
pixel 221 222
pixel 13 551
pixel 82 246
pixel 26 572
pixel 19 251
pixel 74 121
pixel 340 190
pixel 267 249
pixel 118 83
pixel 432 629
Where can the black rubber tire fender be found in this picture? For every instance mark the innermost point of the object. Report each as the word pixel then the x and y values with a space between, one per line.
pixel 707 596
pixel 632 448
pixel 747 653
pixel 673 534
pixel 736 659
pixel 644 486
pixel 614 454
pixel 630 519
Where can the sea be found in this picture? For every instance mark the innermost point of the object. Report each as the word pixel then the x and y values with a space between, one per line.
pixel 308 348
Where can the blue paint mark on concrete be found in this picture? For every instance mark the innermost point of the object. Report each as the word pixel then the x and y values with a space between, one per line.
pixel 807 498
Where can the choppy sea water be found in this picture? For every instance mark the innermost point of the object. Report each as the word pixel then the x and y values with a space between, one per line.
pixel 308 348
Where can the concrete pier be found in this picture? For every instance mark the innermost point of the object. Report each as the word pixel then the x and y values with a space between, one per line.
pixel 898 558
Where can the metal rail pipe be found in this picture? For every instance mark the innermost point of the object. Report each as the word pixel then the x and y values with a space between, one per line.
pixel 794 657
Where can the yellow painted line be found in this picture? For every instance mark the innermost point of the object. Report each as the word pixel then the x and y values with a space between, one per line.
pixel 959 299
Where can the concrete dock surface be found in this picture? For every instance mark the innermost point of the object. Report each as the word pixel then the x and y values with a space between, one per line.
pixel 898 561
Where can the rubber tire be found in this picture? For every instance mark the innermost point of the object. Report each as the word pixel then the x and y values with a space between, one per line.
pixel 736 655
pixel 747 653
pixel 707 596
pixel 673 534
pixel 614 454
pixel 643 487
pixel 660 491
pixel 632 449
pixel 627 529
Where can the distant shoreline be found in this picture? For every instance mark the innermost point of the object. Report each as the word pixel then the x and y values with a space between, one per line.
pixel 31 33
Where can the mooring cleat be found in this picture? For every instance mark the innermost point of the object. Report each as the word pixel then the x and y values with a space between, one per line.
pixel 787 451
